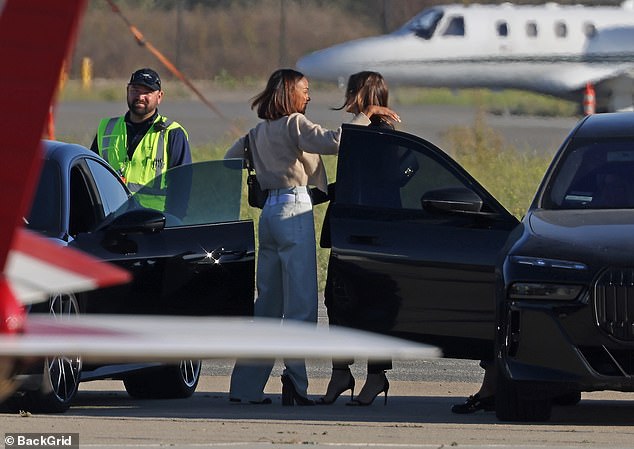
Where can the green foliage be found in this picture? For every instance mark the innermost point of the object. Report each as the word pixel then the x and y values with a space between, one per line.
pixel 510 175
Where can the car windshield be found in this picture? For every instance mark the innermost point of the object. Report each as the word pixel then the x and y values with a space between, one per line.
pixel 200 193
pixel 593 175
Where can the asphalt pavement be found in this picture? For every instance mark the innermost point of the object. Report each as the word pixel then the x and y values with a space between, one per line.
pixel 417 415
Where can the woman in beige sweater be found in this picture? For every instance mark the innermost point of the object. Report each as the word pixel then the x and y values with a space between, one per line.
pixel 286 148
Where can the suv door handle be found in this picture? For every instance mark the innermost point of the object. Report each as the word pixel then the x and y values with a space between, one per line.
pixel 221 255
pixel 216 256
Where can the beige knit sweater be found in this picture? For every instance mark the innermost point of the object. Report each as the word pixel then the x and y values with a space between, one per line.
pixel 286 152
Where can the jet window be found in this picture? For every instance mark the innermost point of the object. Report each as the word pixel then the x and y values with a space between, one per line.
pixel 455 27
pixel 502 29
pixel 424 24
pixel 561 30
pixel 589 30
pixel 531 29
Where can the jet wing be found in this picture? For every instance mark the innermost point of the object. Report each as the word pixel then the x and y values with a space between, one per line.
pixel 144 338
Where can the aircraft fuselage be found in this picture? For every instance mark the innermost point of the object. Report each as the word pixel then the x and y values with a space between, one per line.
pixel 549 49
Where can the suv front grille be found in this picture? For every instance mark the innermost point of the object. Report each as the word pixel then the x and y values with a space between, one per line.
pixel 614 303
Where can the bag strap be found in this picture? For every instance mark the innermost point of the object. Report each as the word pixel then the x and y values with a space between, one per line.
pixel 248 157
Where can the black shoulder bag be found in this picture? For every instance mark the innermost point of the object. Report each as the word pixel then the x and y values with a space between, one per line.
pixel 256 196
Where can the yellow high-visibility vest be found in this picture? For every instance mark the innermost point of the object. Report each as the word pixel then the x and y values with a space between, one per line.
pixel 149 160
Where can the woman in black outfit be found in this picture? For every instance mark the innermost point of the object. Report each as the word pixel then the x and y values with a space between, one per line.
pixel 364 89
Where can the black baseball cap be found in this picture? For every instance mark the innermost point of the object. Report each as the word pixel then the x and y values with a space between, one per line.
pixel 146 77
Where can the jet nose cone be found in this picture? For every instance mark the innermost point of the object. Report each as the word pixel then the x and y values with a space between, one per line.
pixel 319 65
pixel 338 62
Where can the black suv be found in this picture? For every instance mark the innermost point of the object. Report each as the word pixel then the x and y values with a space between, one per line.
pixel 421 250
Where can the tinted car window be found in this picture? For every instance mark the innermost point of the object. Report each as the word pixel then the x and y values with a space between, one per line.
pixel 593 175
pixel 46 211
pixel 201 193
pixel 113 193
pixel 390 173
pixel 85 211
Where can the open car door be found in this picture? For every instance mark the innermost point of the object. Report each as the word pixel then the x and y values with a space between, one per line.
pixel 414 243
pixel 195 258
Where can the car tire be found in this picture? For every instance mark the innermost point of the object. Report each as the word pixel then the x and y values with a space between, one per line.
pixel 60 375
pixel 511 405
pixel 165 382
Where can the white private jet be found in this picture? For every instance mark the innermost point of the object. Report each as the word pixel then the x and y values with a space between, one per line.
pixel 36 36
pixel 564 51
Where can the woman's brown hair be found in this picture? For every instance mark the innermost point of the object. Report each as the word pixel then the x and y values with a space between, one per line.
pixel 276 100
pixel 366 89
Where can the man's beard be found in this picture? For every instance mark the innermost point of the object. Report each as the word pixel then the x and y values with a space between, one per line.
pixel 139 108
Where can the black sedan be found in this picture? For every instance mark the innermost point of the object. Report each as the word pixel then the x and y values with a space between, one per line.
pixel 421 250
pixel 196 259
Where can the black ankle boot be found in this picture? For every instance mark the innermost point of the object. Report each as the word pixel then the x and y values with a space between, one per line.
pixel 290 396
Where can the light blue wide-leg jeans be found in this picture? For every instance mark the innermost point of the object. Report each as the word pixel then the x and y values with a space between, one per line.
pixel 286 283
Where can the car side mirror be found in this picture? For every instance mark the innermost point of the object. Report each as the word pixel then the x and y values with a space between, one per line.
pixel 138 221
pixel 453 199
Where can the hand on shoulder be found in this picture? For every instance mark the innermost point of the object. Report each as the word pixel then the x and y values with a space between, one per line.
pixel 382 110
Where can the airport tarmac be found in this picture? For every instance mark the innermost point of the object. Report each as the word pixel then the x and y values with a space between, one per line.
pixel 417 415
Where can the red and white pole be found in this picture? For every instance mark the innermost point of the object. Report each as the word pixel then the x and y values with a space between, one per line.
pixel 589 100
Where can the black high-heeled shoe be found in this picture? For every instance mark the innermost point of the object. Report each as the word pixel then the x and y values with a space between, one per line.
pixel 290 396
pixel 365 402
pixel 475 403
pixel 333 393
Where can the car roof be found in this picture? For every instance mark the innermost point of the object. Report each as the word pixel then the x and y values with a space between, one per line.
pixel 606 125
pixel 63 151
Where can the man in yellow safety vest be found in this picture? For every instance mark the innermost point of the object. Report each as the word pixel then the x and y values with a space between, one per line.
pixel 143 144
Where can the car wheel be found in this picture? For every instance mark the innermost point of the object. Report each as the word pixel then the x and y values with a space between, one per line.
pixel 166 382
pixel 511 405
pixel 569 399
pixel 61 375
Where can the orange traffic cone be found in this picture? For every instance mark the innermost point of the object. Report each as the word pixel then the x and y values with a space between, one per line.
pixel 589 100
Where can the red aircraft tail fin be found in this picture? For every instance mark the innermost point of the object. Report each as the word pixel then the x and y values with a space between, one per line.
pixel 36 37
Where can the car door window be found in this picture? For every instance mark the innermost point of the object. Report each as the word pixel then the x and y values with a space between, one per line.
pixel 84 209
pixel 46 211
pixel 202 193
pixel 385 171
pixel 111 191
